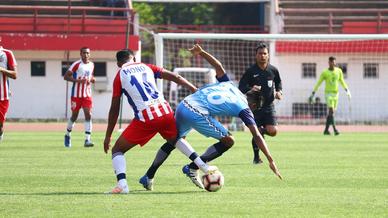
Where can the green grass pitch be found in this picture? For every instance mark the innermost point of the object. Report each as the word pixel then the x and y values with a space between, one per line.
pixel 324 176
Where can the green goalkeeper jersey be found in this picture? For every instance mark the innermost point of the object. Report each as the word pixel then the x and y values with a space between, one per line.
pixel 331 78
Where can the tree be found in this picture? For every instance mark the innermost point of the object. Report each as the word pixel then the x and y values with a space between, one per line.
pixel 169 13
pixel 174 13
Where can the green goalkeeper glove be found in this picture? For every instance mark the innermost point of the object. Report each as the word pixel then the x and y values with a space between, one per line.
pixel 348 93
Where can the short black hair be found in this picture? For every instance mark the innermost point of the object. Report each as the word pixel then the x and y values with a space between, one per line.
pixel 123 55
pixel 332 58
pixel 261 45
pixel 84 48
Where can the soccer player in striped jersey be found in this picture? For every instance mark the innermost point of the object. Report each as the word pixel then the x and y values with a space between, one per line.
pixel 152 113
pixel 7 70
pixel 197 111
pixel 80 74
pixel 333 76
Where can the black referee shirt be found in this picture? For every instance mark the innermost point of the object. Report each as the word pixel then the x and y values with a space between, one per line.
pixel 268 79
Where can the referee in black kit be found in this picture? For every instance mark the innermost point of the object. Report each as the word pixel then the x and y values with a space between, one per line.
pixel 265 77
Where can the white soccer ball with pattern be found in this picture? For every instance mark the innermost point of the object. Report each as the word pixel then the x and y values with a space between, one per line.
pixel 213 181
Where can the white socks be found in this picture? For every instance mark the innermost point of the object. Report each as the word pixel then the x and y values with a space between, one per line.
pixel 88 129
pixel 184 147
pixel 118 162
pixel 188 150
pixel 119 166
pixel 70 125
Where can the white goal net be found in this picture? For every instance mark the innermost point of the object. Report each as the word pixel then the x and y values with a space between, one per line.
pixel 300 60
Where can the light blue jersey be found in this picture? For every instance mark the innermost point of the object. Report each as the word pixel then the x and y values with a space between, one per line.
pixel 219 99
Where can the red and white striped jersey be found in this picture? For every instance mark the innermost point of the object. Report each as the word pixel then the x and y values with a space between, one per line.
pixel 80 71
pixel 7 61
pixel 137 81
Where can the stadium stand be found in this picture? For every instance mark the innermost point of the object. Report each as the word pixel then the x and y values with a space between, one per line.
pixel 331 16
pixel 46 36
pixel 55 18
pixel 46 2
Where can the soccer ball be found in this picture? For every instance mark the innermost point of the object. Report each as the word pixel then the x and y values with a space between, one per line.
pixel 213 181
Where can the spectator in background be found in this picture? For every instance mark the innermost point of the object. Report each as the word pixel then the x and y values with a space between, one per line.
pixel 111 4
pixel 318 109
pixel 116 4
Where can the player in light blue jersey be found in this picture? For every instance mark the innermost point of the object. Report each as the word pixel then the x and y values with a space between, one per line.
pixel 197 112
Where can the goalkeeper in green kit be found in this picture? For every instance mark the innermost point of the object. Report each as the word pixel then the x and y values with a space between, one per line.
pixel 332 77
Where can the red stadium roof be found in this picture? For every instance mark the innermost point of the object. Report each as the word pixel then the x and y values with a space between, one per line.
pixel 22 41
pixel 354 46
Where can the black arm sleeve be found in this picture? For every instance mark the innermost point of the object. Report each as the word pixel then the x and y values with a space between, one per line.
pixel 246 116
pixel 223 78
pixel 278 81
pixel 243 85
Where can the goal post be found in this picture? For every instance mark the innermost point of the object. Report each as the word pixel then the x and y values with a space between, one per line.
pixel 300 59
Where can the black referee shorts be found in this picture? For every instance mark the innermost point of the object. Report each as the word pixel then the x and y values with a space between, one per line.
pixel 265 116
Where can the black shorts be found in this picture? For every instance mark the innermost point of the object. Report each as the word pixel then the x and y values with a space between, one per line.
pixel 265 116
